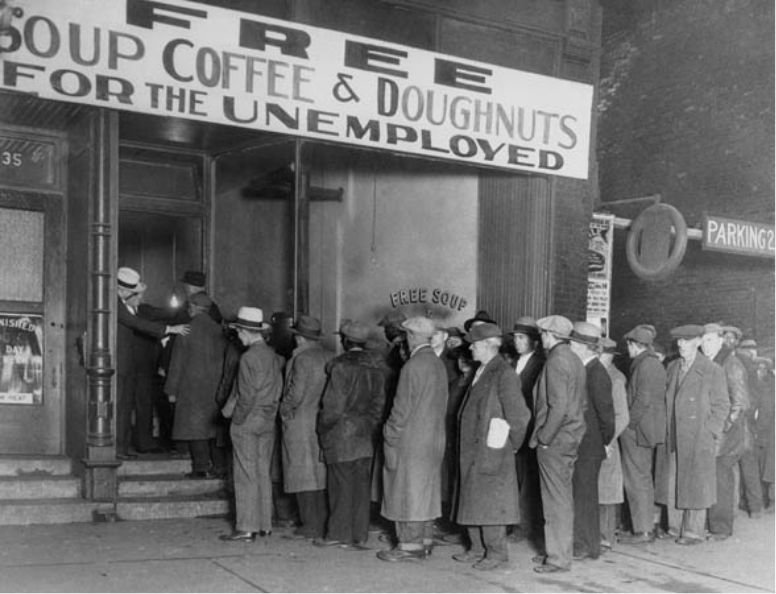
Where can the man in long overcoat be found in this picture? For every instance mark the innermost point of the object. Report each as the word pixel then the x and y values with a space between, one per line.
pixel 254 406
pixel 646 430
pixel 414 446
pixel 348 423
pixel 304 472
pixel 696 405
pixel 487 492
pixel 192 383
pixel 558 431
pixel 736 437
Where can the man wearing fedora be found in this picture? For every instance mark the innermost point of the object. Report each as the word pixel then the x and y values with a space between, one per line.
pixel 696 408
pixel 599 432
pixel 304 473
pixel 414 446
pixel 736 437
pixel 528 367
pixel 253 406
pixel 192 382
pixel 492 423
pixel 348 424
pixel 136 358
pixel 646 430
pixel 558 429
pixel 194 283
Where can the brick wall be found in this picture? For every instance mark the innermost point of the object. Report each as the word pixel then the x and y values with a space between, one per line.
pixel 686 111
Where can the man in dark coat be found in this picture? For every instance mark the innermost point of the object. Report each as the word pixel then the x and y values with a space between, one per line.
pixel 253 407
pixel 192 383
pixel 599 421
pixel 696 406
pixel 136 353
pixel 735 433
pixel 646 429
pixel 304 473
pixel 558 430
pixel 492 423
pixel 350 416
pixel 528 367
pixel 414 446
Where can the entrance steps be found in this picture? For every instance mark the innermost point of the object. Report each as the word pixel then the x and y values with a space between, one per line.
pixel 43 490
pixel 153 488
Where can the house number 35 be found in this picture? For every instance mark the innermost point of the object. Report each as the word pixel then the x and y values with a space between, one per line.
pixel 9 159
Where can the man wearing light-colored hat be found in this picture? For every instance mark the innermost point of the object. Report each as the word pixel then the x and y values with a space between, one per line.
pixel 304 473
pixel 646 430
pixel 253 406
pixel 492 423
pixel 414 446
pixel 696 407
pixel 599 432
pixel 558 429
pixel 736 436
pixel 135 369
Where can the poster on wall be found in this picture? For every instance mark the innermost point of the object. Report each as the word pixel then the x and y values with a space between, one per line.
pixel 599 270
pixel 21 365
pixel 216 65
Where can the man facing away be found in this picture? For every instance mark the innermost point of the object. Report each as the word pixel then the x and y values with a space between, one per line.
pixel 414 446
pixel 646 429
pixel 350 415
pixel 558 430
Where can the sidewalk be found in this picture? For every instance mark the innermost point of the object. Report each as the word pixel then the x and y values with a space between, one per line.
pixel 186 556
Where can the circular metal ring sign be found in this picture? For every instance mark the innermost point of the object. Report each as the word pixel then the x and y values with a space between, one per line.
pixel 656 242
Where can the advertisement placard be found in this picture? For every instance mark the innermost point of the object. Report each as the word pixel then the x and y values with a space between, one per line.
pixel 599 270
pixel 21 362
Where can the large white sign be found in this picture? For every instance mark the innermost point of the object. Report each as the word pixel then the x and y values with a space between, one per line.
pixel 184 59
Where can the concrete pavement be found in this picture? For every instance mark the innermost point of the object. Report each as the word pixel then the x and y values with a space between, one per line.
pixel 186 556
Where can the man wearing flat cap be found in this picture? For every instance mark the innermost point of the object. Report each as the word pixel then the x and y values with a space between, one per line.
pixel 696 407
pixel 304 473
pixel 558 430
pixel 646 430
pixel 414 446
pixel 192 382
pixel 599 432
pixel 529 365
pixel 736 437
pixel 492 423
pixel 348 424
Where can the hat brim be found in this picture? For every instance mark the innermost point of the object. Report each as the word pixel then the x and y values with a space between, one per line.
pixel 310 335
pixel 250 325
pixel 527 330
pixel 139 288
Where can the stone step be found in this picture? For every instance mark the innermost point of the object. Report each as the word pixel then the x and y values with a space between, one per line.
pixel 19 465
pixel 22 512
pixel 147 466
pixel 39 487
pixel 163 485
pixel 145 508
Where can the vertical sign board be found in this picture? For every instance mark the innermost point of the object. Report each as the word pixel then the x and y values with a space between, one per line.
pixel 21 362
pixel 599 270
pixel 190 60
pixel 721 234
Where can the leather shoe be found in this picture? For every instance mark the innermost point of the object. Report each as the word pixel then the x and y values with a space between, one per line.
pixel 487 564
pixel 670 533
pixel 468 557
pixel 637 538
pixel 330 542
pixel 717 537
pixel 239 535
pixel 549 568
pixel 540 559
pixel 583 556
pixel 688 540
pixel 264 533
pixel 400 555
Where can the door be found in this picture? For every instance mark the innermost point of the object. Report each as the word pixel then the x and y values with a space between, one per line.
pixel 32 322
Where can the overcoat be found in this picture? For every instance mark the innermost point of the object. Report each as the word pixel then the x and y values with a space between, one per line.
pixel 303 468
pixel 697 406
pixel 610 476
pixel 599 413
pixel 487 489
pixel 736 437
pixel 647 399
pixel 193 377
pixel 414 440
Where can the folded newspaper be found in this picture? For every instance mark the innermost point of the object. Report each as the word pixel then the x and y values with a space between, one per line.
pixel 498 433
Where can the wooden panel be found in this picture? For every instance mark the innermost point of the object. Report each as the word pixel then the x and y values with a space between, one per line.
pixel 514 242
